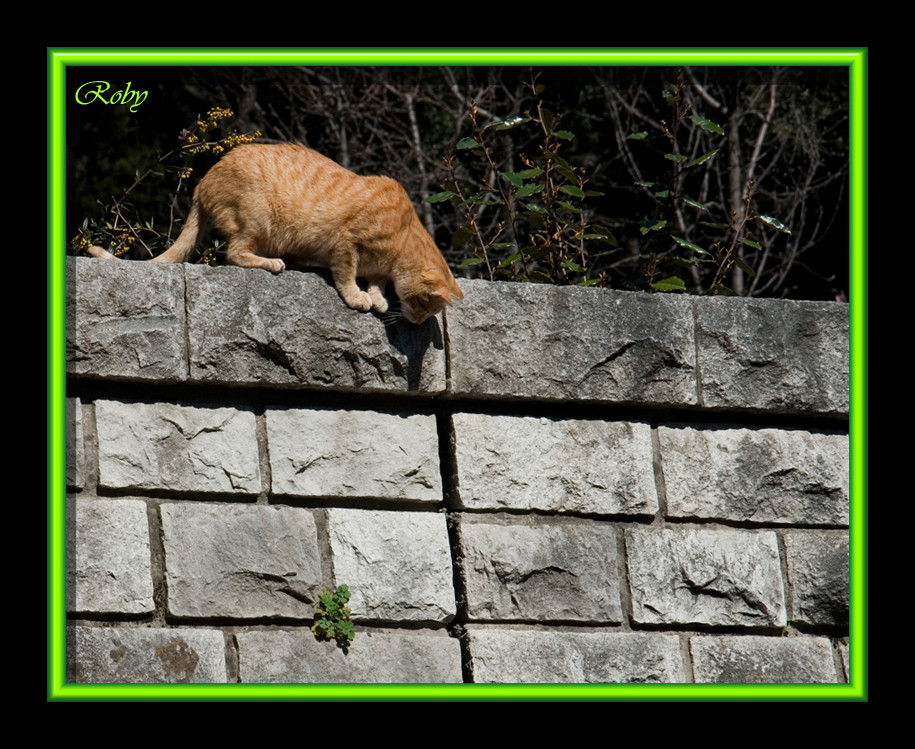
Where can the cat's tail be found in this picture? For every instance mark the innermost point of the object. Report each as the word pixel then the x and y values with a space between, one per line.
pixel 96 251
pixel 184 246
pixel 180 251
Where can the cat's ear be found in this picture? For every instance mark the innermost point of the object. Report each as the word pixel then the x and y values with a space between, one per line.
pixel 453 291
pixel 443 294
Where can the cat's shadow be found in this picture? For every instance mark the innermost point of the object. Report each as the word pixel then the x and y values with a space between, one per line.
pixel 411 341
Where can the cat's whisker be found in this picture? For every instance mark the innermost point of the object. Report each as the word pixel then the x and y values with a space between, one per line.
pixel 391 317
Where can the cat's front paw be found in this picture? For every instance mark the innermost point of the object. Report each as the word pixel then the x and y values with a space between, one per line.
pixel 379 303
pixel 273 264
pixel 358 300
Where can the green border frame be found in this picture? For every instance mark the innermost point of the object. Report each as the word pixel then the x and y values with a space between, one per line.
pixel 61 58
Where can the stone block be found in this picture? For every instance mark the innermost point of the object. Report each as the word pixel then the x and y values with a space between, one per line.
pixel 755 475
pixel 546 571
pixel 177 448
pixel 292 330
pixel 533 341
pixel 762 660
pixel 773 355
pixel 539 656
pixel 108 557
pixel 818 573
pixel 397 564
pixel 125 320
pixel 339 453
pixel 149 656
pixel 561 465
pixel 373 657
pixel 74 443
pixel 240 561
pixel 716 577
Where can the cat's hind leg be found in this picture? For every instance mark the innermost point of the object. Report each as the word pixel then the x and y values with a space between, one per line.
pixel 240 253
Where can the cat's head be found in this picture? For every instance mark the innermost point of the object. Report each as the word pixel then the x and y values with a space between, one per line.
pixel 430 296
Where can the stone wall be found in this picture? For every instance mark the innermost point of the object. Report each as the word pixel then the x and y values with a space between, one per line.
pixel 543 485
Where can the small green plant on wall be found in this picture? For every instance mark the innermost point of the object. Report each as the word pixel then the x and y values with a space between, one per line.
pixel 332 618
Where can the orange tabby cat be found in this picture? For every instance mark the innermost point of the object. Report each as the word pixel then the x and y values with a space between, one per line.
pixel 274 201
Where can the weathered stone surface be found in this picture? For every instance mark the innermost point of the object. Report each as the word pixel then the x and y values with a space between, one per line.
pixel 550 342
pixel 517 656
pixel 773 354
pixel 757 475
pixel 762 660
pixel 566 465
pixel 843 652
pixel 179 448
pixel 149 656
pixel 550 571
pixel 254 567
pixel 317 452
pixel 373 657
pixel 716 577
pixel 818 572
pixel 108 560
pixel 249 327
pixel 397 564
pixel 125 320
pixel 74 440
pixel 240 561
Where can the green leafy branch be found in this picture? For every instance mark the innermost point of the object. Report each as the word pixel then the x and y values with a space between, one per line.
pixel 542 233
pixel 671 197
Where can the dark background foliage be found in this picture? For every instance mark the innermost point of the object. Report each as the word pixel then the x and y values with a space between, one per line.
pixel 786 129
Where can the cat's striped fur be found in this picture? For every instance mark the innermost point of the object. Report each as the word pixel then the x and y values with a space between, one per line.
pixel 288 201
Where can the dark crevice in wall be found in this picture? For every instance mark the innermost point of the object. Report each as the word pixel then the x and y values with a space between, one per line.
pixel 232 670
pixel 100 619
pixel 686 657
pixel 622 571
pixel 263 456
pixel 168 494
pixel 839 661
pixel 723 523
pixel 700 398
pixel 209 395
pixel 262 623
pixel 354 503
pixel 658 469
pixel 711 629
pixel 157 556
pixel 451 495
pixel 328 575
